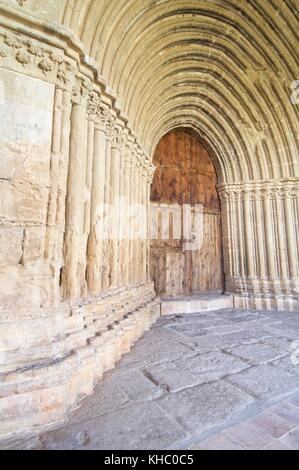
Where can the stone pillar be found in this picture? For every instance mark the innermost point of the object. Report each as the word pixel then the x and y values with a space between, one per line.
pixel 150 175
pixel 227 213
pixel 134 219
pixel 281 242
pixel 249 242
pixel 131 214
pixel 125 245
pixel 240 236
pixel 290 227
pixel 269 236
pixel 96 234
pixel 58 176
pixel 121 210
pixel 260 230
pixel 107 208
pixel 144 220
pixel 75 192
pixel 139 218
pixel 51 234
pixel 114 206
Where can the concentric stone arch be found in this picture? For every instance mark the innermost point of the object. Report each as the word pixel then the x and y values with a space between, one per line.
pixel 89 89
pixel 224 65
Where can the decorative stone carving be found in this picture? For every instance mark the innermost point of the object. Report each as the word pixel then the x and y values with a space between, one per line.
pixel 31 55
pixel 45 202
pixel 3 52
pixel 66 76
pixel 109 124
pixel 81 91
pixel 93 106
pixel 34 50
pixel 23 57
pixel 13 41
pixel 117 138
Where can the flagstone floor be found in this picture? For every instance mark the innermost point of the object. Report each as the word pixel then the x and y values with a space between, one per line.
pixel 226 379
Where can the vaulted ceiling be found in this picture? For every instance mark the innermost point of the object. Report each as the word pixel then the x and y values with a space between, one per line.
pixel 221 67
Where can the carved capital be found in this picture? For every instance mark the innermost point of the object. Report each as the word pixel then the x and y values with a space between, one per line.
pixel 150 172
pixel 117 138
pixel 93 105
pixel 103 116
pixel 81 91
pixel 66 75
pixel 110 126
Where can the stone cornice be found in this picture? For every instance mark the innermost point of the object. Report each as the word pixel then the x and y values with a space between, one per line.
pixel 270 189
pixel 52 52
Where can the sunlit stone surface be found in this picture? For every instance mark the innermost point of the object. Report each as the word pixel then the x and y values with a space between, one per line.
pixel 87 91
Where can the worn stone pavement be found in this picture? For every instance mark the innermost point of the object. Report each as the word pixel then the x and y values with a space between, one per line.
pixel 214 380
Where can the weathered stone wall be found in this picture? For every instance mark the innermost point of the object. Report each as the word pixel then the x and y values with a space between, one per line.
pixel 75 289
pixel 87 90
pixel 26 116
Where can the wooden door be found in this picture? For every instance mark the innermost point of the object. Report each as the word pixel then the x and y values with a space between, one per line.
pixel 185 181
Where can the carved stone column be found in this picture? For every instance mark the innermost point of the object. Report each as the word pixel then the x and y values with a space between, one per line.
pixel 75 191
pixel 122 203
pixel 96 235
pixel 290 224
pixel 269 235
pixel 134 260
pixel 240 235
pixel 144 220
pixel 107 209
pixel 281 241
pixel 125 245
pixel 114 203
pixel 150 175
pixel 249 242
pixel 139 217
pixel 227 212
pixel 260 230
pixel 58 171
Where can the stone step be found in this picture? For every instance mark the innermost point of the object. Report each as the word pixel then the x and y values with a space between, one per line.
pixel 195 303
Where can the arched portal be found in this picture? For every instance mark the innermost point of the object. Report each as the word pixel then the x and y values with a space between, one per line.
pixel 186 245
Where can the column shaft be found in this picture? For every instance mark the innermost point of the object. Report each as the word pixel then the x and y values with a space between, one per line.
pixel 290 236
pixel 95 240
pixel 75 198
pixel 114 222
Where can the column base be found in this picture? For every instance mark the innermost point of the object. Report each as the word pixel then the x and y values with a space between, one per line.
pixel 257 302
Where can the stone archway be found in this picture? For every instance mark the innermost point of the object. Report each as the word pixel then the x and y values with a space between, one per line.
pixel 186 241
pixel 108 81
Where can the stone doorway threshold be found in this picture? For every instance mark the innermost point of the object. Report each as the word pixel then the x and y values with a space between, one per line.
pixel 195 303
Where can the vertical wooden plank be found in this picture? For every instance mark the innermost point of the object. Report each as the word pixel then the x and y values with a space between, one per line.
pixel 186 175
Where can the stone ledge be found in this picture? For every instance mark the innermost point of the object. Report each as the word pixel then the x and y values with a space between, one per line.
pixel 195 303
pixel 43 392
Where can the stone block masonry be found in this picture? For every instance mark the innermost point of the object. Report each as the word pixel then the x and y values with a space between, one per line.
pixel 87 90
pixel 49 362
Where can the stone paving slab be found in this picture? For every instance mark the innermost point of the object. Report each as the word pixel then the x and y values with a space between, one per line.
pixel 258 353
pixel 195 370
pixel 204 406
pixel 187 381
pixel 142 426
pixel 266 381
pixel 266 431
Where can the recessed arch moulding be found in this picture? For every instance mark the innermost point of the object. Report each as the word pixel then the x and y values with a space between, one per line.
pixel 88 88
